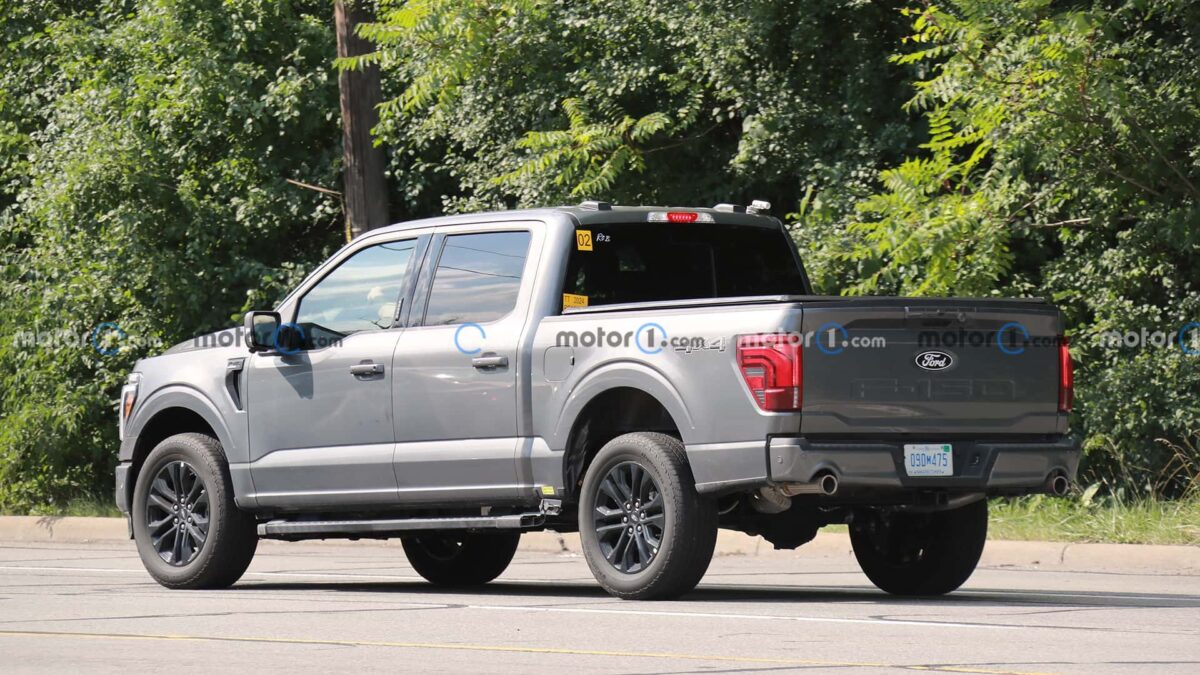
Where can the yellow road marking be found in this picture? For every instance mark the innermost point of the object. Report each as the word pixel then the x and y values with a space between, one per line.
pixel 511 649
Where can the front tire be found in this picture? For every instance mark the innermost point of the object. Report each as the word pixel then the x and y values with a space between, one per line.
pixel 920 553
pixel 646 533
pixel 189 532
pixel 461 558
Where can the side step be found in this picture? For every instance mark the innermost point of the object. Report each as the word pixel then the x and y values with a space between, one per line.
pixel 316 529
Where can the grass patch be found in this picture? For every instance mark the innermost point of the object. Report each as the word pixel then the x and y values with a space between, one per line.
pixel 1142 521
pixel 1108 520
pixel 91 507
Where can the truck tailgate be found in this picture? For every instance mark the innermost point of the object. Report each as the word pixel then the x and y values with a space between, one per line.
pixel 931 367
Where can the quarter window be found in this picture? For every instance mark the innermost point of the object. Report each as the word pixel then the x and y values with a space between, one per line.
pixel 478 277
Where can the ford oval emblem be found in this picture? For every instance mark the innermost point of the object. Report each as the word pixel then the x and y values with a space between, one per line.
pixel 934 360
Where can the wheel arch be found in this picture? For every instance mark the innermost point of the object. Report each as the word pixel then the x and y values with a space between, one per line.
pixel 166 413
pixel 604 416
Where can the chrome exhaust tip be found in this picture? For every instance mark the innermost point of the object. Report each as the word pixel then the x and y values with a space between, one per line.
pixel 1058 485
pixel 828 484
pixel 825 483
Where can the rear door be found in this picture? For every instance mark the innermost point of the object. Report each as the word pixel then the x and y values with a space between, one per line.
pixel 456 382
pixel 930 367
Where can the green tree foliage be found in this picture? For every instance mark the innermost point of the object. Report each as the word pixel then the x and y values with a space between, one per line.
pixel 531 102
pixel 1046 148
pixel 1063 159
pixel 145 151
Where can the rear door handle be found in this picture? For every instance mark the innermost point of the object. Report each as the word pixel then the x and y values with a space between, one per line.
pixel 366 369
pixel 490 361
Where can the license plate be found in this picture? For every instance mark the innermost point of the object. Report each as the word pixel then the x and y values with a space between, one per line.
pixel 934 459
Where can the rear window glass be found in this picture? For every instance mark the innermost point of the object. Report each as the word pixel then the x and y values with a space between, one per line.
pixel 478 277
pixel 646 262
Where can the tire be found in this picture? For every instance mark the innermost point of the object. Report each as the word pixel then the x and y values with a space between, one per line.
pixel 683 524
pixel 920 554
pixel 461 558
pixel 221 556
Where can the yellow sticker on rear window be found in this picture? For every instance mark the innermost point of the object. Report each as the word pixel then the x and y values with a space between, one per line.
pixel 583 240
pixel 572 300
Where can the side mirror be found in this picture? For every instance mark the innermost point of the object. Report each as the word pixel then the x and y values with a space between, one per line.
pixel 261 329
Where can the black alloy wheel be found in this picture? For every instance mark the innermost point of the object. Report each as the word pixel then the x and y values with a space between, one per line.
pixel 177 513
pixel 629 518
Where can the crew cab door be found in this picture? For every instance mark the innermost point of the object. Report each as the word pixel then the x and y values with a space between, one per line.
pixel 320 417
pixel 456 383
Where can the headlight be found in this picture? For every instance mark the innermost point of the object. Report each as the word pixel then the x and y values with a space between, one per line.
pixel 128 400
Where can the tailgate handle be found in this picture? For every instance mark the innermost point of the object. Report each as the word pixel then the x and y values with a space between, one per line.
pixel 958 314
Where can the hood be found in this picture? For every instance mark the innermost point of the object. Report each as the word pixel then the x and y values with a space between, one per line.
pixel 230 337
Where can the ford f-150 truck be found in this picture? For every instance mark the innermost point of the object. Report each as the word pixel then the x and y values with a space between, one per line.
pixel 641 375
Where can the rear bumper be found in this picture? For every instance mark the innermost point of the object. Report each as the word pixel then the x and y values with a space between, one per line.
pixel 998 467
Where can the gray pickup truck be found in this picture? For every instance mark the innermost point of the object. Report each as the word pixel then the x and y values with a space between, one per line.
pixel 643 376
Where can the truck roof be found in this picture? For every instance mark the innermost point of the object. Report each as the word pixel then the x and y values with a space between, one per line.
pixel 589 213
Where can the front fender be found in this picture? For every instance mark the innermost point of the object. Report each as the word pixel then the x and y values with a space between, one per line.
pixel 179 396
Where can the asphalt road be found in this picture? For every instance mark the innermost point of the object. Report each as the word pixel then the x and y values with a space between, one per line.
pixel 85 608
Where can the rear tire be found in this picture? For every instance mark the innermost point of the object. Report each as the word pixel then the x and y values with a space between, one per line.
pixel 461 558
pixel 189 532
pixel 920 553
pixel 657 540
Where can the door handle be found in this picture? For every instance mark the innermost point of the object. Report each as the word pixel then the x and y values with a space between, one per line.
pixel 490 361
pixel 366 369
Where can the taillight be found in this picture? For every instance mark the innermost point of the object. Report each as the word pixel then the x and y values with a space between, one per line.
pixel 773 369
pixel 1066 377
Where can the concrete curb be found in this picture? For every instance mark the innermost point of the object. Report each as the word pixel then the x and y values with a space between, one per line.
pixel 1062 555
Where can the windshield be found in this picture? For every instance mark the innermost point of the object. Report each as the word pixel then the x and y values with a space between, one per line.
pixel 647 262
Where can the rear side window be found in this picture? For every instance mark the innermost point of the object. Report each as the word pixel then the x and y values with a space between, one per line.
pixel 646 262
pixel 478 277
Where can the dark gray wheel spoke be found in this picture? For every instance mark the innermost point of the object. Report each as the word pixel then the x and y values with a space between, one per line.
pixel 177 513
pixel 195 535
pixel 160 502
pixel 604 512
pixel 643 548
pixel 177 546
pixel 617 548
pixel 193 488
pixel 645 485
pixel 653 538
pixel 609 487
pixel 635 479
pixel 160 487
pixel 158 527
pixel 628 517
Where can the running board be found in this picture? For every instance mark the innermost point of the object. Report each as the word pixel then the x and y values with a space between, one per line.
pixel 316 529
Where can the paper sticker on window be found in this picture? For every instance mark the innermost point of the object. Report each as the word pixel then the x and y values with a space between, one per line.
pixel 572 300
pixel 583 240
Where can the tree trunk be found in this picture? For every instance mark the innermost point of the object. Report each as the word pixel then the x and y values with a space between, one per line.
pixel 365 197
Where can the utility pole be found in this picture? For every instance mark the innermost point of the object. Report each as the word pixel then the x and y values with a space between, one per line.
pixel 365 192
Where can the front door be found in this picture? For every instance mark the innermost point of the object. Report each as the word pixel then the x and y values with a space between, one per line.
pixel 321 423
pixel 455 382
